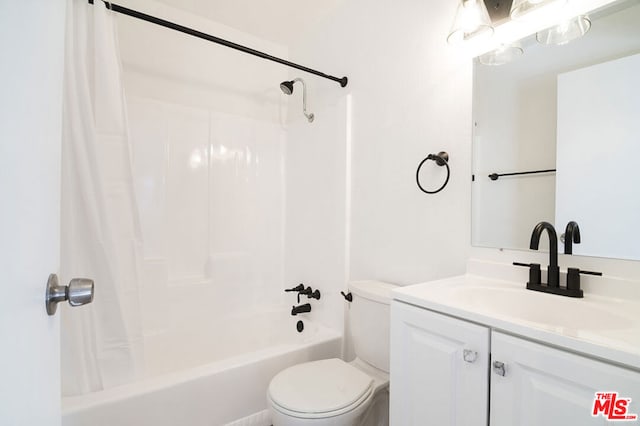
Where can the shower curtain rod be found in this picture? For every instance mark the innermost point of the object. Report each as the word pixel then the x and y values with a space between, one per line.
pixel 190 31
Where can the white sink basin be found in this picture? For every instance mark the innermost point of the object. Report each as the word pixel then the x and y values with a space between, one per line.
pixel 551 310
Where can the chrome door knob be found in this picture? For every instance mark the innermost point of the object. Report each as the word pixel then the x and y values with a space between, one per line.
pixel 79 292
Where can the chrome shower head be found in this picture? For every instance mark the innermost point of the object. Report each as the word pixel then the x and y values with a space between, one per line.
pixel 287 87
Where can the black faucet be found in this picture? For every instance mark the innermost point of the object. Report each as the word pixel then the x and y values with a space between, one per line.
pixel 553 272
pixel 571 236
pixel 295 310
pixel 572 289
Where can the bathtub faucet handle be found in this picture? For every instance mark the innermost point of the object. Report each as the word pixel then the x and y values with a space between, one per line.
pixel 307 292
pixel 314 295
pixel 298 288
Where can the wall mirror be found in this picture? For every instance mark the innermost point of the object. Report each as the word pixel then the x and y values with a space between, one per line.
pixel 573 109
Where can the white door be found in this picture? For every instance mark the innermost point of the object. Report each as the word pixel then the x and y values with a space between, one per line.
pixel 31 67
pixel 439 369
pixel 551 387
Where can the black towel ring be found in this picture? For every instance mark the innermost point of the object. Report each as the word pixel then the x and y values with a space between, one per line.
pixel 441 159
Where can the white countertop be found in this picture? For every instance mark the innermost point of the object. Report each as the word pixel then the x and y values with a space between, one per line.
pixel 602 327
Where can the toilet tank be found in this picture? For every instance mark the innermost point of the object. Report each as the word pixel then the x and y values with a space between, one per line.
pixel 369 321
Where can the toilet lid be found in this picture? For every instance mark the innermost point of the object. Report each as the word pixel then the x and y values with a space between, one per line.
pixel 319 386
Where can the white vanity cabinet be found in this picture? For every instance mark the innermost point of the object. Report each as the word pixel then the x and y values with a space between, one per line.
pixel 435 380
pixel 551 387
pixel 439 369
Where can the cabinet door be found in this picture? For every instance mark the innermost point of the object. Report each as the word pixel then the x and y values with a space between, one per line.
pixel 439 369
pixel 547 386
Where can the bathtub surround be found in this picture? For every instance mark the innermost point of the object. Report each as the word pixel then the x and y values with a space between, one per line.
pixel 100 232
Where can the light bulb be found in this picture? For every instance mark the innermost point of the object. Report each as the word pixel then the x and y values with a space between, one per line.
pixel 502 55
pixel 531 9
pixel 471 22
pixel 566 31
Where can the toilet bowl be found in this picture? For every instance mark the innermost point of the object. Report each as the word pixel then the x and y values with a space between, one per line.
pixel 335 392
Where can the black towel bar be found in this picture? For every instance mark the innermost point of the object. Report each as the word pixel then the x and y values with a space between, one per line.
pixel 495 176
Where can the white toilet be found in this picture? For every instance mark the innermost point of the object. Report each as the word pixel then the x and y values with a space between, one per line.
pixel 334 392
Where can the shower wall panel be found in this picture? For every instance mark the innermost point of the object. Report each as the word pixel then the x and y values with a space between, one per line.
pixel 210 196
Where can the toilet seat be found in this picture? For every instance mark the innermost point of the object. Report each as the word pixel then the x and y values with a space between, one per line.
pixel 320 389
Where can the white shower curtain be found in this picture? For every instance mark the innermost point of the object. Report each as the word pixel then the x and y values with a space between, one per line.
pixel 100 229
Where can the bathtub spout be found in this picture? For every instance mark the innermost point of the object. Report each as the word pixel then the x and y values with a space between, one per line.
pixel 295 310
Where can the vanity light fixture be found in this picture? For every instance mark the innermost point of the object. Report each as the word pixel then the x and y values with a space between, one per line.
pixel 521 8
pixel 566 31
pixel 502 55
pixel 472 21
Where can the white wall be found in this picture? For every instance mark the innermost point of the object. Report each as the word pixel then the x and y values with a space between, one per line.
pixel 411 96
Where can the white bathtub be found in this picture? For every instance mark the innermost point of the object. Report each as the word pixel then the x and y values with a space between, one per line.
pixel 200 379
